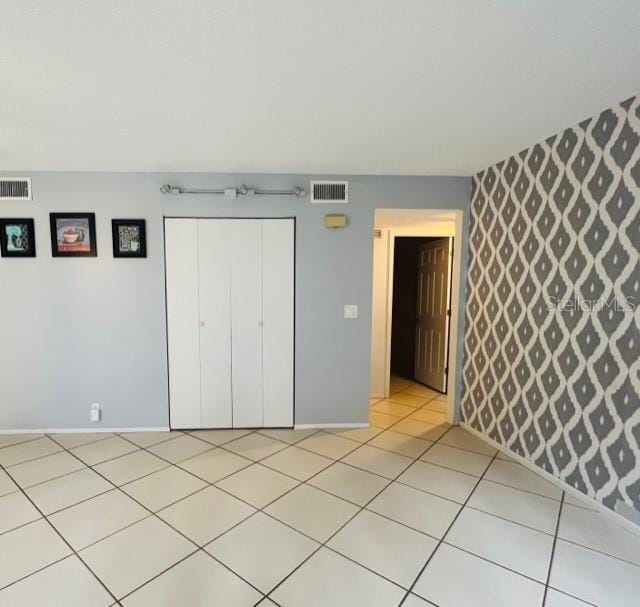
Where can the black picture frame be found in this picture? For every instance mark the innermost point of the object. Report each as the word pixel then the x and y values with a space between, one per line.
pixel 14 245
pixel 123 243
pixel 81 231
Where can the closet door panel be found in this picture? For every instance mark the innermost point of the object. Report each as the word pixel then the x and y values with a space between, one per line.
pixel 181 250
pixel 246 319
pixel 215 322
pixel 277 306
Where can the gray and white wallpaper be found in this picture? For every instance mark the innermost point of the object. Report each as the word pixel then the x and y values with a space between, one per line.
pixel 552 338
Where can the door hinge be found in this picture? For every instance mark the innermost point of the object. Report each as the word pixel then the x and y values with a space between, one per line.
pixel 449 312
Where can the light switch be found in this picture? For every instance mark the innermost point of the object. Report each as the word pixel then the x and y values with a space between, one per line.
pixel 350 311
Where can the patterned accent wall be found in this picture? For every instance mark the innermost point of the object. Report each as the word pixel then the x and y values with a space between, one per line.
pixel 552 339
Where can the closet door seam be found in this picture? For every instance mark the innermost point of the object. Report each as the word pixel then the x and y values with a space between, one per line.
pixel 199 316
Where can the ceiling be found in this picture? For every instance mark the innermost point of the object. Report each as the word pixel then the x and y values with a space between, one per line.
pixel 303 86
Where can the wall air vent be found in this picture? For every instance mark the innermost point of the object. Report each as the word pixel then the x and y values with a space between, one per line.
pixel 330 192
pixel 15 188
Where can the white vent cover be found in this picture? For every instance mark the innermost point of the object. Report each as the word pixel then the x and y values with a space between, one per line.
pixel 15 188
pixel 330 192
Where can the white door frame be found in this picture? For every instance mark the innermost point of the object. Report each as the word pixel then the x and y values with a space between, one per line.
pixel 418 230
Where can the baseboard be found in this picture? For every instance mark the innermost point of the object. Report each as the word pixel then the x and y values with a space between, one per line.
pixel 320 426
pixel 80 430
pixel 554 480
pixel 378 396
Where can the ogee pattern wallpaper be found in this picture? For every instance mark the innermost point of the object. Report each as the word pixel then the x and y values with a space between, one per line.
pixel 552 338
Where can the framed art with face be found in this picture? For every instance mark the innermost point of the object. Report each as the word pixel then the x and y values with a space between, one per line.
pixel 17 238
pixel 73 234
pixel 129 237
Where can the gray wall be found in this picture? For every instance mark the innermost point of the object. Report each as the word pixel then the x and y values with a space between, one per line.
pixel 561 220
pixel 77 331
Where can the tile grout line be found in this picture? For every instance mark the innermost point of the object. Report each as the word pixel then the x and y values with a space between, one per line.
pixel 154 514
pixel 62 448
pixel 415 459
pixel 170 464
pixel 299 482
pixel 553 550
pixel 21 442
pixel 69 451
pixel 361 509
pixel 68 544
pixel 179 434
pixel 258 462
pixel 441 541
pixel 573 596
pixel 495 563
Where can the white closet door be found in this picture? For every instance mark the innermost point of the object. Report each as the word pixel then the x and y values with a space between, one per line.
pixel 181 241
pixel 215 322
pixel 277 310
pixel 246 320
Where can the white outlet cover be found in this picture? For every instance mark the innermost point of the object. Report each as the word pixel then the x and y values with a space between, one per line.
pixel 350 311
pixel 94 414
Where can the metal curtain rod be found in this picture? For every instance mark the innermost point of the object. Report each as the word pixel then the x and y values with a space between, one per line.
pixel 243 190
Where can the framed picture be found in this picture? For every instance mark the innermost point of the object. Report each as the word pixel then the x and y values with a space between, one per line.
pixel 129 237
pixel 73 234
pixel 17 238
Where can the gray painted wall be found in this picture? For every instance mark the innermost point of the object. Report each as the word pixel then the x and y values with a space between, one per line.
pixel 560 387
pixel 77 331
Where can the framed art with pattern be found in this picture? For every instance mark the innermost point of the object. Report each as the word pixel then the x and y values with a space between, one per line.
pixel 17 238
pixel 73 234
pixel 129 237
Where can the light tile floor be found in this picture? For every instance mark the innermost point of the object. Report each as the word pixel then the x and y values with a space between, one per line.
pixel 408 512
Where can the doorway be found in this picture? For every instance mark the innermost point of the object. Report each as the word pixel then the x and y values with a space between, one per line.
pixel 425 226
pixel 421 309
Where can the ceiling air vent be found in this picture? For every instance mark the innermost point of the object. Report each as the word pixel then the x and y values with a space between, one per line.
pixel 330 191
pixel 15 188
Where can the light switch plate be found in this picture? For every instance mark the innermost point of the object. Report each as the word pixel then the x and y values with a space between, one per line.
pixel 350 311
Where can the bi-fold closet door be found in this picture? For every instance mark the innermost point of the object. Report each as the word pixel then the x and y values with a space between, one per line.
pixel 230 322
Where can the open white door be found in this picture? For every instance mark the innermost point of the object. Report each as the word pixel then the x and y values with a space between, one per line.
pixel 432 314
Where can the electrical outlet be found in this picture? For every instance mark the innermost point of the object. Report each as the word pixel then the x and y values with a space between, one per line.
pixel 95 412
pixel 350 311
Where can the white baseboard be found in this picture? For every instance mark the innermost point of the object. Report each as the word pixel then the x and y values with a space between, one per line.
pixel 320 426
pixel 80 430
pixel 618 518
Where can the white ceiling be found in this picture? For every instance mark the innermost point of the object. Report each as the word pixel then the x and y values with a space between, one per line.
pixel 308 86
